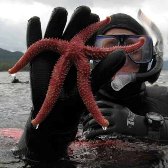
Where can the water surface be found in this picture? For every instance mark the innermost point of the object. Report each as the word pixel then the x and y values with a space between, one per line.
pixel 15 106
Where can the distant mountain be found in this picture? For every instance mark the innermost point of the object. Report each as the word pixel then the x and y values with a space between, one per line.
pixel 8 59
pixel 7 55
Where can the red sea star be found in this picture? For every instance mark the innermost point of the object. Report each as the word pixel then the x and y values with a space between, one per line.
pixel 72 52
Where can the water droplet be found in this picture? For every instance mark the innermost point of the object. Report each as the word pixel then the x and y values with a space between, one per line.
pixel 104 128
pixel 37 126
pixel 13 75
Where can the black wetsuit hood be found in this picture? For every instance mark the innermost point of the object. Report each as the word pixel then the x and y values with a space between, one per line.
pixel 121 20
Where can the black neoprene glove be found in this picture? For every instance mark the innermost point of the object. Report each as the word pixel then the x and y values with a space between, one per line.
pixel 50 141
pixel 121 120
pixel 125 122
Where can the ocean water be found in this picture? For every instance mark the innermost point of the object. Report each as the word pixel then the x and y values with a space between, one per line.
pixel 15 106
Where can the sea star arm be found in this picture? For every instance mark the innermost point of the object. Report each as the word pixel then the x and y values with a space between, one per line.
pixel 35 49
pixel 84 87
pixel 99 53
pixel 87 32
pixel 59 73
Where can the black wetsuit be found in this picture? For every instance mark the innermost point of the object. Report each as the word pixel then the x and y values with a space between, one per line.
pixel 146 99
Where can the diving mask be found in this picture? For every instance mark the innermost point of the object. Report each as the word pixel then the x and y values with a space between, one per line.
pixel 143 55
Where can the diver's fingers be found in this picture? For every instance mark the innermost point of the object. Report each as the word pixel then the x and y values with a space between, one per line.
pixel 34 32
pixel 106 112
pixel 105 69
pixel 79 20
pixel 93 18
pixel 56 23
pixel 92 123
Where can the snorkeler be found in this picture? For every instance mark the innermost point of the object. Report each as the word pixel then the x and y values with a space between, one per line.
pixel 15 80
pixel 118 83
pixel 131 107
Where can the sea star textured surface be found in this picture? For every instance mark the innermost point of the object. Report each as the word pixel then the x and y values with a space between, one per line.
pixel 72 52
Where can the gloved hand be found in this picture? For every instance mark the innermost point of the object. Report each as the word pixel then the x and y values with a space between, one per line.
pixel 121 120
pixel 50 141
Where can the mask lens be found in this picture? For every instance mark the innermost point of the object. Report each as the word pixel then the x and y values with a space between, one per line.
pixel 142 55
pixel 136 56
pixel 106 41
pixel 130 41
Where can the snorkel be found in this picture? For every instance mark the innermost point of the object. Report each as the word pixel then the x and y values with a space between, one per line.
pixel 152 75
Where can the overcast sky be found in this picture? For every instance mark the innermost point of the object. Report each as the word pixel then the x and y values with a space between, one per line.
pixel 15 13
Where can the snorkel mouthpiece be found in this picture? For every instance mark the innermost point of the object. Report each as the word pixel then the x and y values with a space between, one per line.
pixel 122 79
